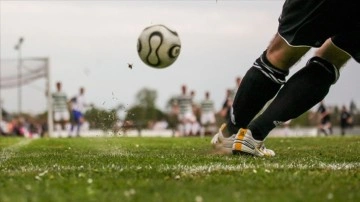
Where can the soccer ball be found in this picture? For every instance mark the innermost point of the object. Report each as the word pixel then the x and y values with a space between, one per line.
pixel 158 46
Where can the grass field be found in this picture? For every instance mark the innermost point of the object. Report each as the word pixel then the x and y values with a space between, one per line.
pixel 177 169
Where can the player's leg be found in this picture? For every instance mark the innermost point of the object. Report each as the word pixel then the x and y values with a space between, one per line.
pixel 303 90
pixel 79 123
pixel 324 129
pixel 342 129
pixel 298 30
pixel 189 123
pixel 64 119
pixel 57 123
pixel 67 120
pixel 187 128
pixel 259 85
pixel 181 125
pixel 333 54
pixel 330 127
pixel 195 128
pixel 262 81
pixel 74 120
pixel 212 123
pixel 57 127
pixel 203 124
pixel 311 25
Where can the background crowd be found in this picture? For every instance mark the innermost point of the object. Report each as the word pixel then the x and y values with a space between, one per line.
pixel 187 114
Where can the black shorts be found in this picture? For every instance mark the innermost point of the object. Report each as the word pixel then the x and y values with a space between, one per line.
pixel 325 120
pixel 312 22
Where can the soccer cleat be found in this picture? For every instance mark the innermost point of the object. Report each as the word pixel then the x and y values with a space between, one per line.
pixel 219 137
pixel 244 143
pixel 222 144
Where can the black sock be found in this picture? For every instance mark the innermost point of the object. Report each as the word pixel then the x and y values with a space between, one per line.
pixel 302 91
pixel 260 84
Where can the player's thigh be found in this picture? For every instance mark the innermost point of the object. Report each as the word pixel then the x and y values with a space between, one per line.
pixel 283 55
pixel 65 116
pixel 77 116
pixel 57 116
pixel 332 53
pixel 208 118
pixel 311 23
pixel 205 119
pixel 181 118
pixel 306 23
pixel 190 117
pixel 345 39
pixel 341 47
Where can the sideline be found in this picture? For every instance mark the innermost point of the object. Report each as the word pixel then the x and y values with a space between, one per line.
pixel 207 168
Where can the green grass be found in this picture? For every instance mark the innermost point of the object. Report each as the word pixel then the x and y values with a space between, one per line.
pixel 177 169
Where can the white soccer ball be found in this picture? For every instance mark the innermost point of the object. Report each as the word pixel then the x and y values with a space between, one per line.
pixel 158 46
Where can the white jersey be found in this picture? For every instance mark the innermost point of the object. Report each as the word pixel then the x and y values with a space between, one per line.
pixel 207 112
pixel 185 104
pixel 59 102
pixel 207 106
pixel 79 103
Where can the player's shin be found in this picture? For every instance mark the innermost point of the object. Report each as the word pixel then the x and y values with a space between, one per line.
pixel 301 92
pixel 260 84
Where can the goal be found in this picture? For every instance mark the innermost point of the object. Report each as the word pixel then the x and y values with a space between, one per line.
pixel 25 87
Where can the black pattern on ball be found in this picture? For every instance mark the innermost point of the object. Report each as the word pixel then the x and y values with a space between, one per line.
pixel 159 34
pixel 174 51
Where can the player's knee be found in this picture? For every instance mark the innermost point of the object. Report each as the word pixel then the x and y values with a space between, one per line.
pixel 273 73
pixel 326 65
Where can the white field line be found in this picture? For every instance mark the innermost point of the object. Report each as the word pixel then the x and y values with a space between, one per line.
pixel 9 152
pixel 190 169
pixel 267 167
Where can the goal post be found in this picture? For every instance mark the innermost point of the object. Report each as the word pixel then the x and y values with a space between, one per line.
pixel 20 74
pixel 50 120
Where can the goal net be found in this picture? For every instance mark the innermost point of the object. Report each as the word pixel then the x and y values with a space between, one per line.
pixel 23 87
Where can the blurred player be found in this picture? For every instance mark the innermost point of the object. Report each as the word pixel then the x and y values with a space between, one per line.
pixel 237 85
pixel 345 120
pixel 207 118
pixel 325 125
pixel 353 111
pixel 331 25
pixel 182 106
pixel 78 106
pixel 60 108
pixel 226 107
pixel 229 99
pixel 195 126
